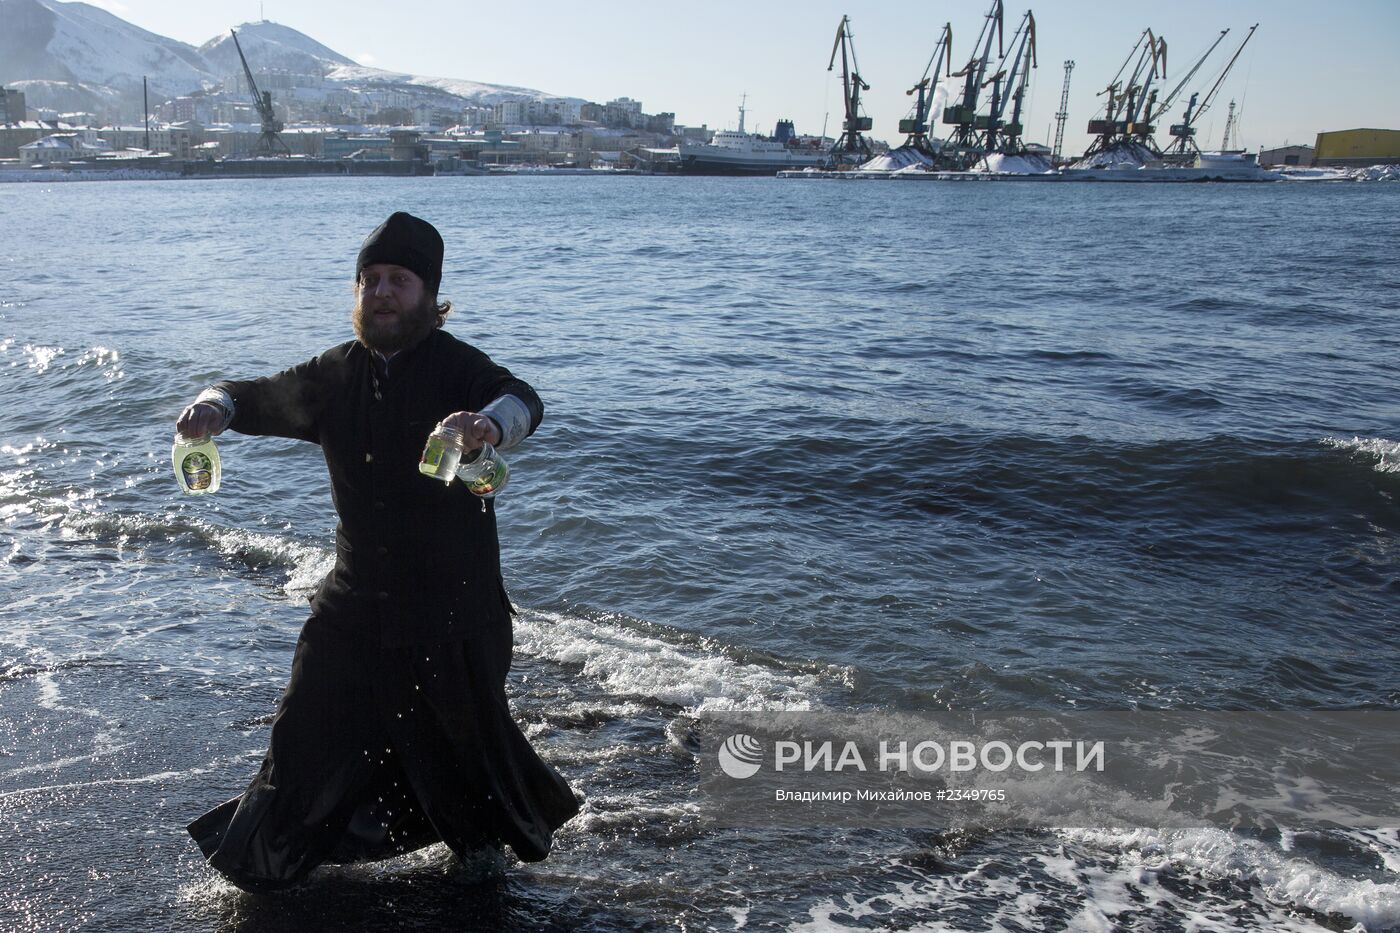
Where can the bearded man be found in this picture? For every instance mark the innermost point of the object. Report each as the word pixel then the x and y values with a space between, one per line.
pixel 394 731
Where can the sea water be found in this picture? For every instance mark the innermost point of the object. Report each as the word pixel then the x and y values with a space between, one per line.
pixel 1119 447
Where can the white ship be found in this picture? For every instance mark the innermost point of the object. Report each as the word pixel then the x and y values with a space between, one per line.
pixel 735 152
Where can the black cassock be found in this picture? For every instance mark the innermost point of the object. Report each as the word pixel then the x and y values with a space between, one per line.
pixel 394 731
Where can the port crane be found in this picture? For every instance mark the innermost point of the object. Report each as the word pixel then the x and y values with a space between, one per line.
pixel 1126 120
pixel 917 126
pixel 1005 136
pixel 852 147
pixel 1185 150
pixel 271 140
pixel 965 143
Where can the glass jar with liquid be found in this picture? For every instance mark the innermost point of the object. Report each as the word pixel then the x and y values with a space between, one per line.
pixel 442 453
pixel 445 457
pixel 484 471
pixel 196 464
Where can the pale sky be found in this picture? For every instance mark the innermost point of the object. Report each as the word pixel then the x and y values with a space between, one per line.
pixel 1310 66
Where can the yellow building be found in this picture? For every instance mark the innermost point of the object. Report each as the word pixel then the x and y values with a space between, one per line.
pixel 1358 148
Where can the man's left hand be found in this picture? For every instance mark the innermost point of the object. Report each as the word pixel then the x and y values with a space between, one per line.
pixel 478 429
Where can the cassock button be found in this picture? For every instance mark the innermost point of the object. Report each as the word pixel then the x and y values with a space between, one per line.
pixel 382 596
pixel 382 551
pixel 379 506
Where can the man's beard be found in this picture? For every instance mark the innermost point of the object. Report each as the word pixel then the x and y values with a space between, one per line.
pixel 395 332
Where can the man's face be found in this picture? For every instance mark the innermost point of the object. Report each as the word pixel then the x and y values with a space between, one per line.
pixel 392 310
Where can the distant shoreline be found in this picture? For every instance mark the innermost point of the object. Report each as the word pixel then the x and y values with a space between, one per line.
pixel 254 168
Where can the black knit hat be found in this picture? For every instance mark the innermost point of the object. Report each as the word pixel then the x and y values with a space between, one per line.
pixel 408 241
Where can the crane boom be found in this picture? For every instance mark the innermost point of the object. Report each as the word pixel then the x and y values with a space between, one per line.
pixel 1176 91
pixel 269 141
pixel 1021 74
pixel 1210 95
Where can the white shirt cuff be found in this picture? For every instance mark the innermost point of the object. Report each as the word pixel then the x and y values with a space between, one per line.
pixel 220 399
pixel 513 417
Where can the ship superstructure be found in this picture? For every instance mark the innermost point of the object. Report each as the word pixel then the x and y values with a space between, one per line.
pixel 736 152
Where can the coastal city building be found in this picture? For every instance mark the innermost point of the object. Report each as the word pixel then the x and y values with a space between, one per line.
pixel 1286 155
pixel 61 148
pixel 12 109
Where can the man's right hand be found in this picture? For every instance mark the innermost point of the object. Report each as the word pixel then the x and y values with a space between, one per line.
pixel 200 419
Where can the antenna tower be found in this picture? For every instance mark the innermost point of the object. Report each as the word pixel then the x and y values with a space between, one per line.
pixel 1062 116
pixel 1229 128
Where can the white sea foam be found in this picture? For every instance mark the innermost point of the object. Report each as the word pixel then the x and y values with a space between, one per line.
pixel 1384 842
pixel 156 778
pixel 50 695
pixel 105 747
pixel 630 663
pixel 966 894
pixel 307 564
pixel 1093 895
pixel 1218 855
pixel 606 812
pixel 1386 453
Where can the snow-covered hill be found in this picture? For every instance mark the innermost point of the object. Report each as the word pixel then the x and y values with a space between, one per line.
pixel 74 56
pixel 470 91
pixel 79 43
pixel 271 45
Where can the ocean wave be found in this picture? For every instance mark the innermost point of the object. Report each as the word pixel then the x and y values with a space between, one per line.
pixel 306 564
pixel 1206 880
pixel 1385 454
pixel 1215 855
pixel 1074 482
pixel 628 662
pixel 1163 397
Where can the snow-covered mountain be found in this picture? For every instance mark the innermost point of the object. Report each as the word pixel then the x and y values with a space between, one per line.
pixel 74 56
pixel 77 52
pixel 271 45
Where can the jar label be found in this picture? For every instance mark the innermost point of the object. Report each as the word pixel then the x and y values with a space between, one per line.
pixel 198 471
